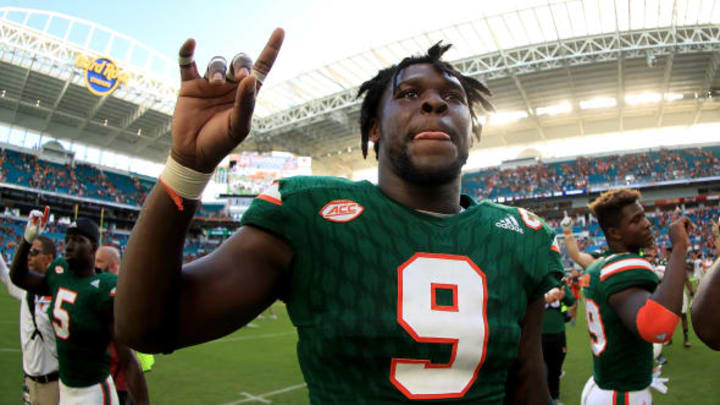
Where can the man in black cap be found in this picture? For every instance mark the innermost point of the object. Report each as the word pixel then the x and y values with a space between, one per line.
pixel 82 314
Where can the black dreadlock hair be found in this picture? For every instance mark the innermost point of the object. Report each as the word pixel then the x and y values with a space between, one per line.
pixel 375 87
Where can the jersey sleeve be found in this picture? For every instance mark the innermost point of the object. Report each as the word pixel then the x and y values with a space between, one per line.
pixel 551 269
pixel 266 212
pixel 627 271
pixel 107 292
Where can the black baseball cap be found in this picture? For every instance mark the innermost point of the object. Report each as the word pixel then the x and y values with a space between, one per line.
pixel 85 227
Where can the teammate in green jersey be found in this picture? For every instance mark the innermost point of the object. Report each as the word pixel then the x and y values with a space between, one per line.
pixel 81 312
pixel 626 311
pixel 401 292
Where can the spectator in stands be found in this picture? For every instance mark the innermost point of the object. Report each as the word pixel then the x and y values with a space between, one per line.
pixel 37 337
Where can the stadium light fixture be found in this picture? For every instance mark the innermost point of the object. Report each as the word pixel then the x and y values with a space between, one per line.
pixel 643 98
pixel 3 93
pixel 599 102
pixel 502 118
pixel 554 109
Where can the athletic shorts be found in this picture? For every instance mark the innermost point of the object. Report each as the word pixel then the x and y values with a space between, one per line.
pixel 101 394
pixel 594 395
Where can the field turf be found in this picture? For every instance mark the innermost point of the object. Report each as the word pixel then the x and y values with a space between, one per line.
pixel 259 366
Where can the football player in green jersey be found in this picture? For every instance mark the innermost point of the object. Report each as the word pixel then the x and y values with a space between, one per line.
pixel 626 311
pixel 81 313
pixel 401 292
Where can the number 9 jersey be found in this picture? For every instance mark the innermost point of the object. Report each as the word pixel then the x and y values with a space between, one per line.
pixel 395 305
pixel 622 360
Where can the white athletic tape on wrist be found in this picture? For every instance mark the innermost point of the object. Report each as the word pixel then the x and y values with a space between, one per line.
pixel 186 182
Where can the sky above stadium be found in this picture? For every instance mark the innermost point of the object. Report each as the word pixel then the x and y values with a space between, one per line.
pixel 318 32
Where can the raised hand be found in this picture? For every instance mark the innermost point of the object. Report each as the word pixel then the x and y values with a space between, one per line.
pixel 567 222
pixel 213 115
pixel 679 231
pixel 36 223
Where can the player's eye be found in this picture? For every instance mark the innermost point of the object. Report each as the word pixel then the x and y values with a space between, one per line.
pixel 407 93
pixel 454 96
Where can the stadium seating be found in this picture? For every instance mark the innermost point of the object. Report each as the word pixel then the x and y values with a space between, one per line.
pixel 83 180
pixel 543 179
pixel 582 174
pixel 12 229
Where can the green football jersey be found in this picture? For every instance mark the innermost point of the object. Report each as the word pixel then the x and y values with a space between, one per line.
pixel 393 304
pixel 80 310
pixel 622 361
pixel 554 321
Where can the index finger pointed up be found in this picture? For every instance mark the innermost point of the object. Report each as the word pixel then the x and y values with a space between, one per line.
pixel 186 60
pixel 268 55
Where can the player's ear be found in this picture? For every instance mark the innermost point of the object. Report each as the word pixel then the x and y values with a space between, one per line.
pixel 374 135
pixel 614 233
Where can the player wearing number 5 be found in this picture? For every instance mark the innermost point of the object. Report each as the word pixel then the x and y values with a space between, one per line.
pixel 81 313
pixel 400 292
pixel 626 310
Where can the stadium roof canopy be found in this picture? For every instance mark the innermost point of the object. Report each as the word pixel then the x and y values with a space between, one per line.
pixel 565 69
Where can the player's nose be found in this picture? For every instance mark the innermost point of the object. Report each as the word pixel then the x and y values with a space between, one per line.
pixel 434 103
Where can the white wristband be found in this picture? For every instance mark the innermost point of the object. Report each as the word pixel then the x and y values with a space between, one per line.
pixel 186 182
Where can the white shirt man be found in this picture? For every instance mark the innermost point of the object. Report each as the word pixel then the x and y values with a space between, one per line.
pixel 37 337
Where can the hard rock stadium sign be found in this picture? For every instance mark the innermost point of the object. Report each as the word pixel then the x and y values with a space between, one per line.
pixel 102 75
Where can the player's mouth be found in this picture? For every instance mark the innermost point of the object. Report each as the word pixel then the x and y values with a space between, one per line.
pixel 432 136
pixel 650 239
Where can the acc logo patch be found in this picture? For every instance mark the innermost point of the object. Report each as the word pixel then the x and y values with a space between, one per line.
pixel 341 210
pixel 59 269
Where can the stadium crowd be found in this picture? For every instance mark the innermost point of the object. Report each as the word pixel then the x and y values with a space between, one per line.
pixel 583 173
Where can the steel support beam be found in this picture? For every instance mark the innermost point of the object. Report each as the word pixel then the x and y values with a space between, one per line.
pixel 711 71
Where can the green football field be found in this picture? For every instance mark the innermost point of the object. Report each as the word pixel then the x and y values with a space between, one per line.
pixel 258 366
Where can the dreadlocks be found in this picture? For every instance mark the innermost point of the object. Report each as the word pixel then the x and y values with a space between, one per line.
pixel 375 87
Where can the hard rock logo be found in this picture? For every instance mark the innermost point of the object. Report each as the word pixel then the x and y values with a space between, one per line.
pixel 102 75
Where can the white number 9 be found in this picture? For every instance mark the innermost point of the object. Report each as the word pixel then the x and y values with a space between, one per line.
pixel 462 324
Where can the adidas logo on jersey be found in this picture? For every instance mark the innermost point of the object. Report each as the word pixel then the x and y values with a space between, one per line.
pixel 509 223
pixel 341 210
